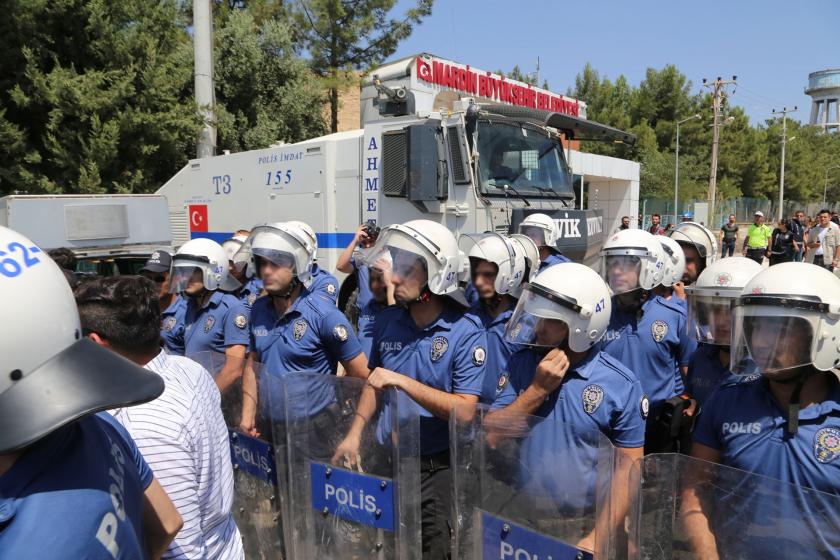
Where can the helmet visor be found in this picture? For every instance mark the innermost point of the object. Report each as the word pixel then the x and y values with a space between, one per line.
pixel 535 234
pixel 621 272
pixel 283 259
pixel 710 319
pixel 409 257
pixel 182 276
pixel 777 339
pixel 538 320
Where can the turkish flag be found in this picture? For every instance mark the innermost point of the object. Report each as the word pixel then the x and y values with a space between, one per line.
pixel 424 70
pixel 198 217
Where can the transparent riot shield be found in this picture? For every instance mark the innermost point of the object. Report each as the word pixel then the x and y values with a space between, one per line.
pixel 530 487
pixel 255 475
pixel 686 508
pixel 352 456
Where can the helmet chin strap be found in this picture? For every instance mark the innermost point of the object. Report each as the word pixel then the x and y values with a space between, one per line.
pixel 425 295
pixel 494 302
pixel 292 285
pixel 630 302
pixel 793 406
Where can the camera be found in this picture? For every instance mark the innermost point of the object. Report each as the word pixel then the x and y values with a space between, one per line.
pixel 372 230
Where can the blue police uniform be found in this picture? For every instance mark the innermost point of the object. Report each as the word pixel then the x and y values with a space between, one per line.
pixel 222 322
pixel 172 326
pixel 363 279
pixel 499 350
pixel 597 394
pixel 366 323
pixel 324 283
pixel 313 336
pixel 249 293
pixel 449 354
pixel 706 373
pixel 746 425
pixel 552 259
pixel 653 346
pixel 471 294
pixel 77 493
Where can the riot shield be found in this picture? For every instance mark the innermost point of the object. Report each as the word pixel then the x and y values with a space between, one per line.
pixel 255 475
pixel 530 487
pixel 687 508
pixel 227 371
pixel 362 502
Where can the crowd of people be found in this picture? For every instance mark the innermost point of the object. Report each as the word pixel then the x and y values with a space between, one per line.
pixel 115 439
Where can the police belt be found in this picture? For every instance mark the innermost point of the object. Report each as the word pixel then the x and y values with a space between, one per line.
pixel 434 461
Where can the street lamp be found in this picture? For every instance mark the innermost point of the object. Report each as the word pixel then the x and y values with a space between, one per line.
pixel 825 185
pixel 677 170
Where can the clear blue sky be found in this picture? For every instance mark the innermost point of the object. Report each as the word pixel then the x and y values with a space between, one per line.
pixel 770 45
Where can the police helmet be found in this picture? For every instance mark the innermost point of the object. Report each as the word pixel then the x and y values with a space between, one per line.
pixel 63 376
pixel 711 297
pixel 786 317
pixel 674 259
pixel 630 250
pixel 700 238
pixel 541 228
pixel 569 293
pixel 207 256
pixel 427 242
pixel 501 251
pixel 282 244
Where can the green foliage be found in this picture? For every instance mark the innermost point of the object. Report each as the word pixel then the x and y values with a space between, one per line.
pixel 517 74
pixel 748 156
pixel 344 35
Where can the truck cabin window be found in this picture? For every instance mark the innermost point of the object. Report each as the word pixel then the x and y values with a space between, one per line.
pixel 522 157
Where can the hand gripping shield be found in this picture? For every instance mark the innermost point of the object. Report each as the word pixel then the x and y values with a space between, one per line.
pixel 687 508
pixel 256 495
pixel 530 487
pixel 351 494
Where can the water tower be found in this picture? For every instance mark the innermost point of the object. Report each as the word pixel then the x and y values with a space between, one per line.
pixel 824 89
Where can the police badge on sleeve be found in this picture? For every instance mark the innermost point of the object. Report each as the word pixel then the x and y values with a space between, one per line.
pixel 169 324
pixel 659 329
pixel 240 321
pixel 340 333
pixel 479 356
pixel 827 444
pixel 592 397
pixel 299 329
pixel 644 407
pixel 439 347
pixel 208 323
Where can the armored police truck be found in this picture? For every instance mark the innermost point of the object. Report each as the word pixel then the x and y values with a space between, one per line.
pixel 438 140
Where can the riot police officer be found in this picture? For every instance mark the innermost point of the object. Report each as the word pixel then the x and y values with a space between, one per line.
pixel 560 374
pixel 250 288
pixel 646 332
pixel 785 424
pixel 292 328
pixel 700 248
pixel 173 306
pixel 674 259
pixel 709 317
pixel 543 230
pixel 214 321
pixel 72 482
pixel 430 349
pixel 497 271
pixel 322 281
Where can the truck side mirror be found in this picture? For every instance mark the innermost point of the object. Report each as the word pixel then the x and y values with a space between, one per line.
pixel 414 162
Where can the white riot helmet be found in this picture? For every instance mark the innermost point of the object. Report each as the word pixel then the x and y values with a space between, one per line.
pixel 786 317
pixel 674 261
pixel 233 245
pixel 207 256
pixel 571 293
pixel 541 228
pixel 284 245
pixel 306 232
pixel 697 236
pixel 710 298
pixel 425 242
pixel 64 376
pixel 525 246
pixel 499 250
pixel 632 259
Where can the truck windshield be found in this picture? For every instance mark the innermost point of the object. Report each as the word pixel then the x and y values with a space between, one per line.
pixel 523 157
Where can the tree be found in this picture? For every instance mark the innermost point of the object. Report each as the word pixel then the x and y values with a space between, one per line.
pixel 91 95
pixel 264 91
pixel 517 74
pixel 346 35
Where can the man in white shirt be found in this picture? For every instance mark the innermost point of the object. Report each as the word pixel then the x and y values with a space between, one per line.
pixel 181 434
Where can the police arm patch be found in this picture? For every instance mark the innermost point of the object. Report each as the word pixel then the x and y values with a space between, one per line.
pixel 592 397
pixel 659 329
pixel 340 333
pixel 240 321
pixel 644 407
pixel 479 356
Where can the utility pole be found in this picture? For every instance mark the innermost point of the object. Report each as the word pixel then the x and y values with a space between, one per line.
pixel 205 97
pixel 784 113
pixel 718 92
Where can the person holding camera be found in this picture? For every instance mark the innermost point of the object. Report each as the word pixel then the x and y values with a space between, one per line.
pixel 352 259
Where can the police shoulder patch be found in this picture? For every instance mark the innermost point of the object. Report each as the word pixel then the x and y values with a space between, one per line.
pixel 659 329
pixel 340 333
pixel 592 397
pixel 827 444
pixel 169 324
pixel 479 356
pixel 241 321
pixel 503 379
pixel 439 347
pixel 299 329
pixel 331 289
pixel 251 299
pixel 644 407
pixel 208 323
